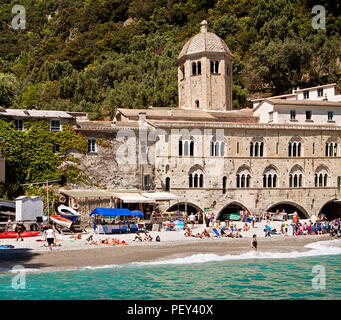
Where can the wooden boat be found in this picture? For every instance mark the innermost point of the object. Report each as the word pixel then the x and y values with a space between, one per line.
pixel 61 221
pixel 25 234
pixel 68 213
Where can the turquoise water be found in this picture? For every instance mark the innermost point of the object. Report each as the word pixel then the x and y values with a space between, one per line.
pixel 286 278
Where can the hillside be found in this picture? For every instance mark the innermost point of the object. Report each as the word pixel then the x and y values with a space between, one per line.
pixel 99 55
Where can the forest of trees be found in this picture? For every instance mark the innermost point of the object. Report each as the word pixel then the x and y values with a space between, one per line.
pixel 100 55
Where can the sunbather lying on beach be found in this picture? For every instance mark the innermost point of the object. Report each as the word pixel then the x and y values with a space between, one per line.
pixel 205 234
pixel 148 238
pixel 138 236
pixel 188 232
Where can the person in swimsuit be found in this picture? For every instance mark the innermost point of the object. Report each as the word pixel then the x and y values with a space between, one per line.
pixel 254 243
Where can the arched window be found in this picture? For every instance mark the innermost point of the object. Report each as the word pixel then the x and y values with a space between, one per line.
pixel 212 66
pixel 216 149
pixel 243 177
pixel 180 147
pixel 321 176
pixel 212 149
pixel 191 148
pixel 201 181
pixel 196 181
pixel 197 103
pixel 167 184
pixel 296 177
pixel 224 184
pixel 295 148
pixel 331 149
pixel 196 177
pixel 270 177
pixel 257 147
pixel 194 68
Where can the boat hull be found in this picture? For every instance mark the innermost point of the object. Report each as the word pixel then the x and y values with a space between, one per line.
pixel 25 234
pixel 61 221
pixel 68 213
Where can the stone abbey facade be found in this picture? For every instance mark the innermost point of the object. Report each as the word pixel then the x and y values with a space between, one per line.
pixel 279 155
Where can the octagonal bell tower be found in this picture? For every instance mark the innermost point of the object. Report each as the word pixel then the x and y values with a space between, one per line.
pixel 205 73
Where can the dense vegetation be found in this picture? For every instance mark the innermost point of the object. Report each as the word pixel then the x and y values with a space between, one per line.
pixel 98 55
pixel 30 155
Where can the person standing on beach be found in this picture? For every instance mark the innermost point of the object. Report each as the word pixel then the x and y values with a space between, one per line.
pixel 254 243
pixel 208 218
pixel 19 228
pixel 212 218
pixel 192 219
pixel 50 237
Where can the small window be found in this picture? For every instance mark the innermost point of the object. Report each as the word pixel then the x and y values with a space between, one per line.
pixel 308 115
pixel 330 115
pixel 19 124
pixel 306 94
pixel 91 146
pixel 212 66
pixel 320 92
pixel 197 104
pixel 146 180
pixel 292 114
pixel 194 68
pixel 167 184
pixel 182 69
pixel 271 116
pixel 55 125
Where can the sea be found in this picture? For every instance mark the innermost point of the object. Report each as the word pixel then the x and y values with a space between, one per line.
pixel 311 275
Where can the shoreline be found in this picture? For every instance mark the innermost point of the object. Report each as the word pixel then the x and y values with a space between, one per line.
pixel 59 260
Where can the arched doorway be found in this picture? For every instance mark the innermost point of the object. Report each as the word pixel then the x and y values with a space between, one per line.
pixel 231 208
pixel 332 209
pixel 289 207
pixel 186 206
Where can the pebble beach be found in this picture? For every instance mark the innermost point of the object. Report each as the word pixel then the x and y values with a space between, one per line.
pixel 73 253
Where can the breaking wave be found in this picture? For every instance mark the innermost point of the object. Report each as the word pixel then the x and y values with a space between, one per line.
pixel 319 248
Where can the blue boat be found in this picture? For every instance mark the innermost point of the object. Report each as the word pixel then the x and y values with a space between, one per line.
pixel 68 213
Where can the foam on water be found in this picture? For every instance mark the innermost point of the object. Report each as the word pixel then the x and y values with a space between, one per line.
pixel 319 248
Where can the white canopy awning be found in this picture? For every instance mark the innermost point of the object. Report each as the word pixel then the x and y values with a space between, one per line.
pixel 133 198
pixel 160 196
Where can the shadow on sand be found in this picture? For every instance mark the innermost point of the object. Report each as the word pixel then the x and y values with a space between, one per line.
pixel 10 258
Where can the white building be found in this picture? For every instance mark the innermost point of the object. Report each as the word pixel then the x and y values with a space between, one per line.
pixel 329 92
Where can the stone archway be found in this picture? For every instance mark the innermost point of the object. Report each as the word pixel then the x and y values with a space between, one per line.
pixel 182 206
pixel 331 209
pixel 289 208
pixel 232 207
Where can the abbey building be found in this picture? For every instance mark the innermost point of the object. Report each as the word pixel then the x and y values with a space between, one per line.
pixel 284 153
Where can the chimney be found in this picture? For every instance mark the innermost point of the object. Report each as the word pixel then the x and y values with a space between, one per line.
pixel 142 117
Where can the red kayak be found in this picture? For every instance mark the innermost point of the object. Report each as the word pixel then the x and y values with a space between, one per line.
pixel 24 234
